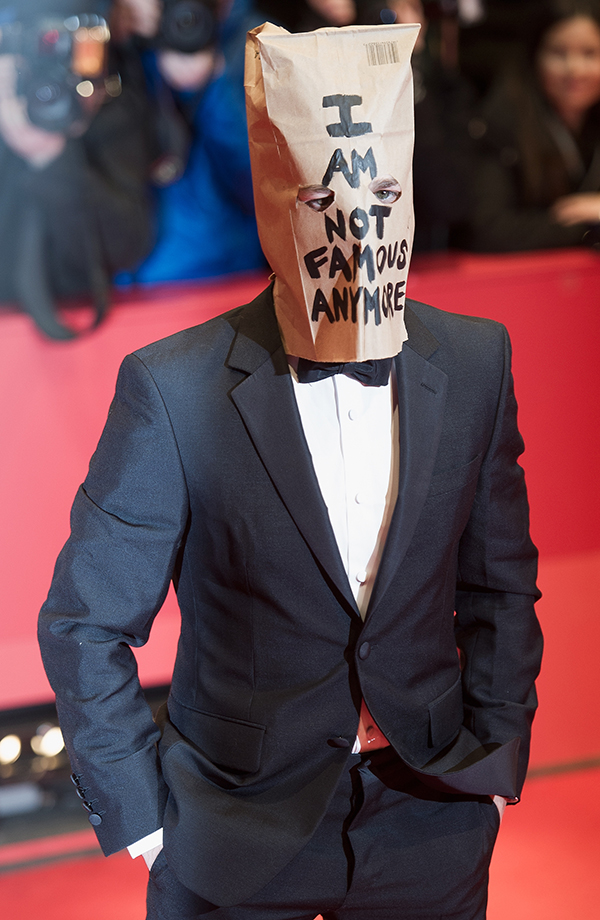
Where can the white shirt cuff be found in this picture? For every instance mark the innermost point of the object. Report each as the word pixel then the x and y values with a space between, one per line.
pixel 356 746
pixel 146 843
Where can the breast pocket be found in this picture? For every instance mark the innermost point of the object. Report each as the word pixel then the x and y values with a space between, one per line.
pixel 456 478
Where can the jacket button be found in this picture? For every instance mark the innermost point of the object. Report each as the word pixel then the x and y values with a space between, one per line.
pixel 339 742
pixel 364 651
pixel 95 819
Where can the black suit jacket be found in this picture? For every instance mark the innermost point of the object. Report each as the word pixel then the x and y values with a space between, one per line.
pixel 203 475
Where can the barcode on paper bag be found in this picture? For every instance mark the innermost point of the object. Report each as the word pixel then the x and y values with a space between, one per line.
pixel 382 53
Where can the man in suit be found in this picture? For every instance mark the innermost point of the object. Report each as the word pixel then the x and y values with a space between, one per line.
pixel 337 499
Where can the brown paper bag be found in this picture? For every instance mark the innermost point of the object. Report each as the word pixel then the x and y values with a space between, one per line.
pixel 331 128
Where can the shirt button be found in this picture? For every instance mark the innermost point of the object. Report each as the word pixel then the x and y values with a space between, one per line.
pixel 352 415
pixel 361 577
pixel 364 651
pixel 359 498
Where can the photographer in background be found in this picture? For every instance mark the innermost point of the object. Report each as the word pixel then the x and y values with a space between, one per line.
pixel 73 159
pixel 194 60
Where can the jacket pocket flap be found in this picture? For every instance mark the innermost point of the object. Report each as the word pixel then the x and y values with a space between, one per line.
pixel 232 743
pixel 446 715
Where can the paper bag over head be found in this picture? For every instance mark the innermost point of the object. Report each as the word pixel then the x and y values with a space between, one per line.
pixel 331 130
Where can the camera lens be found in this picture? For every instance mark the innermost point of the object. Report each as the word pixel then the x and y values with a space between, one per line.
pixel 47 93
pixel 187 25
pixel 52 105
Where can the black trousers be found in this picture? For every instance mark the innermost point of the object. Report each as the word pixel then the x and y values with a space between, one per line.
pixel 388 848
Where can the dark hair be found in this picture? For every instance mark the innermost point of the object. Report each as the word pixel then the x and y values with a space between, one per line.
pixel 543 173
pixel 545 15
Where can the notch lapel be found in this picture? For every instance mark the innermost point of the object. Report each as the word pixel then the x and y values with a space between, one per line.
pixel 422 389
pixel 266 402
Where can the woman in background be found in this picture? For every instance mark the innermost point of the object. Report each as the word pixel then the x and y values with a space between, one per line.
pixel 538 181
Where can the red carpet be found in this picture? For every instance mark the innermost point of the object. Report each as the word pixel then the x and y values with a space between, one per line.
pixel 81 889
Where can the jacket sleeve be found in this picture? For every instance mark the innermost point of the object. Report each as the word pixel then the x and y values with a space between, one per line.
pixel 110 581
pixel 497 629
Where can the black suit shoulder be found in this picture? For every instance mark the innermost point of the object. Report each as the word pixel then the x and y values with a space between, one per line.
pixel 255 319
pixel 463 346
pixel 446 325
pixel 203 359
pixel 201 352
pixel 195 343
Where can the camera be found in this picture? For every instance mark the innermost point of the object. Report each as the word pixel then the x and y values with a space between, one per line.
pixel 188 25
pixel 61 62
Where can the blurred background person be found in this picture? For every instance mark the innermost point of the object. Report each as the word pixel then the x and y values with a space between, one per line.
pixel 444 155
pixel 306 15
pixel 193 54
pixel 537 184
pixel 73 158
pixel 491 39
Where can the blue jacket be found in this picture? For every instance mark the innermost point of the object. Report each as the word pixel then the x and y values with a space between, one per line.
pixel 205 224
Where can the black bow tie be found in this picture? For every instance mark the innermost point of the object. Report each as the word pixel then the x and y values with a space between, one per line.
pixel 370 373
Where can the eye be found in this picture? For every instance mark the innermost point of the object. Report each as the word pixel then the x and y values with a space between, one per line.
pixel 316 197
pixel 386 189
pixel 388 195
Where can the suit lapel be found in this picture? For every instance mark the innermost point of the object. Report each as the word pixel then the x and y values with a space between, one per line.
pixel 265 400
pixel 266 403
pixel 421 399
